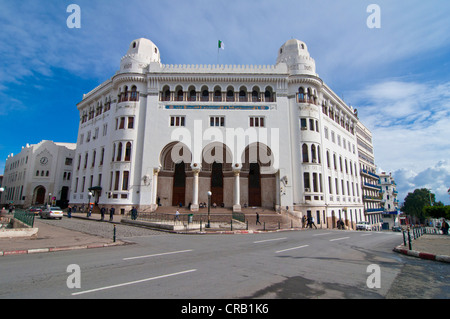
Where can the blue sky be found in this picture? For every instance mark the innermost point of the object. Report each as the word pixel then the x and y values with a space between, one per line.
pixel 397 76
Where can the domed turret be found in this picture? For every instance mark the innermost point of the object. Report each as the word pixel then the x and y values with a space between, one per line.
pixel 140 54
pixel 295 54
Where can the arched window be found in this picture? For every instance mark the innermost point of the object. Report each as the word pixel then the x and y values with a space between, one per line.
pixel 256 95
pixel 243 95
pixel 192 94
pixel 119 153
pixel 134 94
pixel 165 95
pixel 305 153
pixel 205 94
pixel 313 154
pixel 301 95
pixel 128 152
pixel 179 92
pixel 230 95
pixel 217 95
pixel 268 95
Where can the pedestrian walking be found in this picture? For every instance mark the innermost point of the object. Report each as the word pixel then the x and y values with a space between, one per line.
pixel 257 219
pixel 134 213
pixel 111 213
pixel 303 221
pixel 308 220
pixel 177 216
pixel 69 212
pixel 312 223
pixel 102 213
pixel 444 227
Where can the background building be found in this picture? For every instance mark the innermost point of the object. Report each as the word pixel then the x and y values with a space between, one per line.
pixel 369 178
pixel 389 201
pixel 275 136
pixel 39 173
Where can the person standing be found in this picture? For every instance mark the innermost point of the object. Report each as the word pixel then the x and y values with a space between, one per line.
pixel 102 213
pixel 111 213
pixel 134 213
pixel 177 216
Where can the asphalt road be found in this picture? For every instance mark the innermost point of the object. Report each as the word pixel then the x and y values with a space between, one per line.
pixel 292 264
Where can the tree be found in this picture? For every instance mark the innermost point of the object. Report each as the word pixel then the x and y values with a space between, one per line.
pixel 439 211
pixel 416 201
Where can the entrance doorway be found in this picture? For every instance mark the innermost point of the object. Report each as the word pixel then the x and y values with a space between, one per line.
pixel 179 185
pixel 39 195
pixel 217 183
pixel 254 185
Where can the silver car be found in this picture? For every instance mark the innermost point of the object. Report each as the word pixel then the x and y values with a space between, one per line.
pixel 52 212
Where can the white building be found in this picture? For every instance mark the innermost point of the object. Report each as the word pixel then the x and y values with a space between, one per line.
pixel 39 173
pixel 272 136
pixel 371 190
pixel 389 201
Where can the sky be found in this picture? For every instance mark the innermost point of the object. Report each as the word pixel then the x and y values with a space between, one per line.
pixel 397 75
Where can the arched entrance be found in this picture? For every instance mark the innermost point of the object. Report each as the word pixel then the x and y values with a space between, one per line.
pixel 217 183
pixel 39 195
pixel 254 185
pixel 257 166
pixel 179 185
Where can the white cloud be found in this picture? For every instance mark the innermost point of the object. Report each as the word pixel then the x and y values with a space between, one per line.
pixel 436 178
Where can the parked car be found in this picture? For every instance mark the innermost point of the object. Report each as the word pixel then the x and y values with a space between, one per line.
pixel 35 210
pixel 396 228
pixel 52 212
pixel 363 226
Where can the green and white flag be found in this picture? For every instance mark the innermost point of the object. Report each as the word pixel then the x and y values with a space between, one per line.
pixel 221 45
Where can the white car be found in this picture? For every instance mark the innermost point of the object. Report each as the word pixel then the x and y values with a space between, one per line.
pixel 363 226
pixel 52 212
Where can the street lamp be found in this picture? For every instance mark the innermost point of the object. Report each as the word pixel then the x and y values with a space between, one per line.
pixel 209 208
pixel 89 204
pixel 1 192
pixel 49 199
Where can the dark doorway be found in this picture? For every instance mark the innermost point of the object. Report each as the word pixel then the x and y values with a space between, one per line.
pixel 217 184
pixel 179 185
pixel 40 195
pixel 254 185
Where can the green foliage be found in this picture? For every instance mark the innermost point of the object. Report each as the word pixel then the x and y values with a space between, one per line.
pixel 437 211
pixel 416 201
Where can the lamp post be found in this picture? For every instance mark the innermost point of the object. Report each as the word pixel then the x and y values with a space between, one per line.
pixel 49 199
pixel 89 204
pixel 209 208
pixel 1 192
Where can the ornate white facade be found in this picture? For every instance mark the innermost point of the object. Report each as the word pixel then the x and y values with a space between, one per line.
pixel 38 174
pixel 273 136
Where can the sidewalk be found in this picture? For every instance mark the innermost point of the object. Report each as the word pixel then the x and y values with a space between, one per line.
pixel 432 247
pixel 52 238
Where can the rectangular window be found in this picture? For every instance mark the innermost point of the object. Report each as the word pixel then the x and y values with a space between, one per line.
pixel 303 125
pixel 131 122
pixel 125 180
pixel 257 121
pixel 217 121
pixel 177 121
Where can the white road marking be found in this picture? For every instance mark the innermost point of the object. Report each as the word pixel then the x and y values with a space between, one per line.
pixel 280 251
pixel 339 238
pixel 321 234
pixel 161 254
pixel 266 240
pixel 133 282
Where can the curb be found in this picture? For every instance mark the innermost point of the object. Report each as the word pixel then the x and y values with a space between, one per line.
pixel 414 253
pixel 54 249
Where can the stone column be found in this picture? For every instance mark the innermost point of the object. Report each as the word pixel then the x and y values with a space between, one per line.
pixel 196 168
pixel 237 188
pixel 154 202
